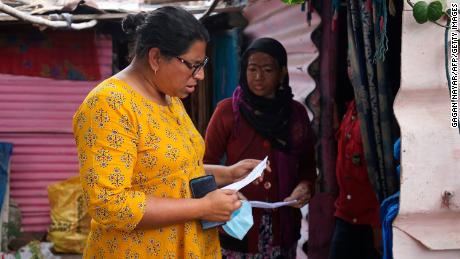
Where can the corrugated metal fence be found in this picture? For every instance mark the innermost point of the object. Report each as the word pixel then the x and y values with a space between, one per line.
pixel 36 116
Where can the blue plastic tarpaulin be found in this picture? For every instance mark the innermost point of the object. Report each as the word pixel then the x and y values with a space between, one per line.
pixel 225 64
pixel 389 210
pixel 5 153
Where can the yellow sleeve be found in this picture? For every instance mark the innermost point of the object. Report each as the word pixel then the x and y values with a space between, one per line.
pixel 105 130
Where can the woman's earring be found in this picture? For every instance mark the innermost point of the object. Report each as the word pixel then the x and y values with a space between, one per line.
pixel 155 71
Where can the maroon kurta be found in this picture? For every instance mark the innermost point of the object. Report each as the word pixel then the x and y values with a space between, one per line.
pixel 237 142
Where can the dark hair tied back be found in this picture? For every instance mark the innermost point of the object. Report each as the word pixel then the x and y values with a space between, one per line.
pixel 170 29
pixel 132 22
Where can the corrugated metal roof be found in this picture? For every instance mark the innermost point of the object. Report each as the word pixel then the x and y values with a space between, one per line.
pixel 125 6
pixel 288 25
pixel 36 116
pixel 110 9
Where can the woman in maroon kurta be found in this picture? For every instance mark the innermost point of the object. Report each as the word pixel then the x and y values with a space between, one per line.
pixel 262 119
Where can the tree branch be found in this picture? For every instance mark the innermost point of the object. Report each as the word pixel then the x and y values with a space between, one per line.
pixel 210 9
pixel 45 22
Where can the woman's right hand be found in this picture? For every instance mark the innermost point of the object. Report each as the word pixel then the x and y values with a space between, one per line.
pixel 220 204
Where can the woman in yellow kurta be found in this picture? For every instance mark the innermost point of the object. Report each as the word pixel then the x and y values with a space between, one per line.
pixel 138 149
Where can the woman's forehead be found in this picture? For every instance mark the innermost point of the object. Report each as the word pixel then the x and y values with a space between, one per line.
pixel 196 51
pixel 261 58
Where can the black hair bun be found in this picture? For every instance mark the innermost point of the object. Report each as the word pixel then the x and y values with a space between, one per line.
pixel 132 21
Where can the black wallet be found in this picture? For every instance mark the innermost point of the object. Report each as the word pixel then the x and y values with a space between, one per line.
pixel 200 187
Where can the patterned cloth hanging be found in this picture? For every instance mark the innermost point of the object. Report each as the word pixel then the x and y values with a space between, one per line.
pixel 55 54
pixel 308 7
pixel 379 8
pixel 371 80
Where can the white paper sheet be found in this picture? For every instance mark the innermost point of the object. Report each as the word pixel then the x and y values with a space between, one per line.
pixel 268 205
pixel 256 172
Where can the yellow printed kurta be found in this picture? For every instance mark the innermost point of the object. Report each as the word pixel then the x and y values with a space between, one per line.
pixel 130 148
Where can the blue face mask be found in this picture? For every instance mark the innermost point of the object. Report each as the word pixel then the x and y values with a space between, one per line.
pixel 241 221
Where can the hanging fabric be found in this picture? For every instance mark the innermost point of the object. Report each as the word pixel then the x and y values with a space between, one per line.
pixel 372 91
pixel 377 9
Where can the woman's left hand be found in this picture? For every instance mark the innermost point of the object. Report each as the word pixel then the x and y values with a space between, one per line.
pixel 301 193
pixel 241 169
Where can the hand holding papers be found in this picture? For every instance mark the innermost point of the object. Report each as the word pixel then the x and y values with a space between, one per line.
pixel 268 205
pixel 253 175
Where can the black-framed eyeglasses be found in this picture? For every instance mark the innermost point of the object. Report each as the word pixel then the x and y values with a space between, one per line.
pixel 194 67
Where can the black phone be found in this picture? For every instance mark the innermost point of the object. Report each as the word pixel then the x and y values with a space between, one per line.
pixel 200 186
